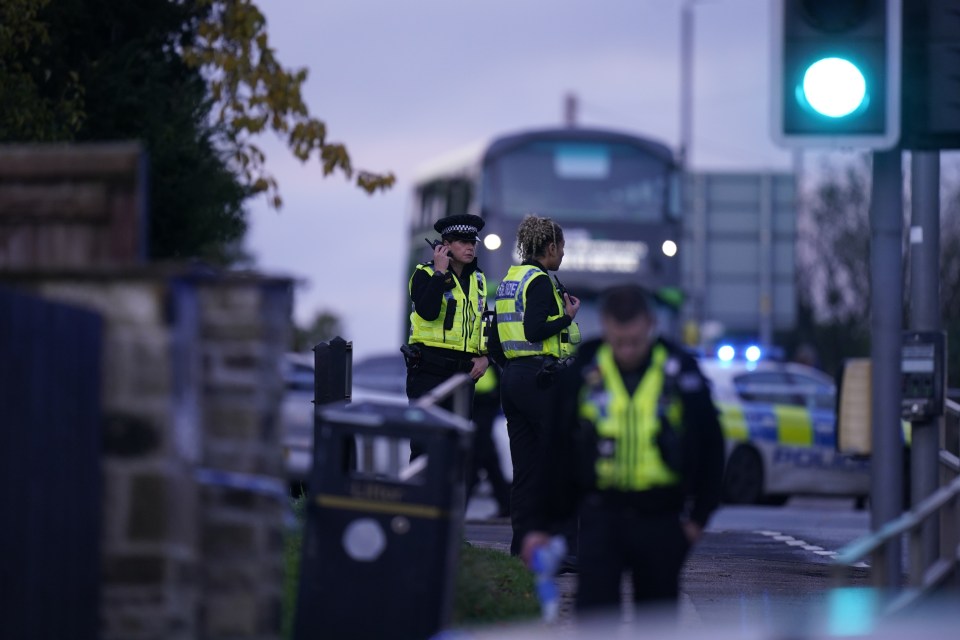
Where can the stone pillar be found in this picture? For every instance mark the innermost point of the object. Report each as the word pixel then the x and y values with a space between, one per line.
pixel 192 385
pixel 245 329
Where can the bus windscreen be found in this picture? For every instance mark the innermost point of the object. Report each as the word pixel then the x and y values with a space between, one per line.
pixel 572 181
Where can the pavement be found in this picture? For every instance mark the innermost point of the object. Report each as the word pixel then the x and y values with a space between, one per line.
pixel 732 581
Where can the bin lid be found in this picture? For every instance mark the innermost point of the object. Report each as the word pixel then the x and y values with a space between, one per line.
pixel 381 413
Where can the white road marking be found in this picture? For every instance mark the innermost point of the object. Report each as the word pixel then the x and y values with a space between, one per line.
pixel 794 542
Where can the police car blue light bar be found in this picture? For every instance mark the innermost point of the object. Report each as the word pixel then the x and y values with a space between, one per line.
pixel 726 353
pixel 753 353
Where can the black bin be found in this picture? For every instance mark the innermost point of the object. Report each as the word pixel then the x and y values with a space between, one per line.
pixel 382 534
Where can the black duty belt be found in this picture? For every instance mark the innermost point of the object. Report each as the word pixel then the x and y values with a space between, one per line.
pixel 456 365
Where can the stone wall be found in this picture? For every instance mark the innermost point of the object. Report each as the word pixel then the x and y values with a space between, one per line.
pixel 191 385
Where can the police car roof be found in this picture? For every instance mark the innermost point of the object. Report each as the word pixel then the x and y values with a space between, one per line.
pixel 724 375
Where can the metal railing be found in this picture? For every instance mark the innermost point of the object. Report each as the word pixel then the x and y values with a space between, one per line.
pixel 923 578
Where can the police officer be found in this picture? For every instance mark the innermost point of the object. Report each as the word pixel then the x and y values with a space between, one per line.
pixel 639 434
pixel 536 330
pixel 448 295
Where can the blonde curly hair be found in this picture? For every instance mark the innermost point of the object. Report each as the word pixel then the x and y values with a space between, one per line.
pixel 535 234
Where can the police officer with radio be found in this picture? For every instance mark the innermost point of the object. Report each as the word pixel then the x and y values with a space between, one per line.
pixel 640 458
pixel 537 334
pixel 448 296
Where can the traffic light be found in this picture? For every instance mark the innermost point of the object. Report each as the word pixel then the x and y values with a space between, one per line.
pixel 931 75
pixel 836 80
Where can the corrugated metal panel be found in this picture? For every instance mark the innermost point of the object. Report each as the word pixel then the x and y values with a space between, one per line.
pixel 49 468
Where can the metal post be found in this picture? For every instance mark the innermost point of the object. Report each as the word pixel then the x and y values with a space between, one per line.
pixel 886 229
pixel 925 316
pixel 686 82
pixel 766 260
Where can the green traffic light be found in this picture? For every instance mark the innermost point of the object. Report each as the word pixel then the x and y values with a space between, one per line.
pixel 833 87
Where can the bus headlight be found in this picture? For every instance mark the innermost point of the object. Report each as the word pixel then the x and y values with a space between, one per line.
pixel 669 248
pixel 492 242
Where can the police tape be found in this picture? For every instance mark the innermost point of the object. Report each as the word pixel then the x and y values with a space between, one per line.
pixel 261 485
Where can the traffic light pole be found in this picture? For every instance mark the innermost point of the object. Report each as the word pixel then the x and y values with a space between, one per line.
pixel 886 300
pixel 925 316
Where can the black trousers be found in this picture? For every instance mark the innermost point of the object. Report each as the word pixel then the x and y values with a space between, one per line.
pixel 423 380
pixel 524 405
pixel 485 457
pixel 614 539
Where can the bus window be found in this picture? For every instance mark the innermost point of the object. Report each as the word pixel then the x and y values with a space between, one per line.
pixel 433 203
pixel 595 182
pixel 459 200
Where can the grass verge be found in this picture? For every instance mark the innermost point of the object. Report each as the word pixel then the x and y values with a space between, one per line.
pixel 492 586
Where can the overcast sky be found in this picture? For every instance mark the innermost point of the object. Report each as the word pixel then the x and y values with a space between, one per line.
pixel 402 81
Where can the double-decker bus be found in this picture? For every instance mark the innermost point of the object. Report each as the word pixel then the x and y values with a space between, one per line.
pixel 615 194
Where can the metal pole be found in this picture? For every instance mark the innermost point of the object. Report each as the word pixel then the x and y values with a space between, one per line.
pixel 886 229
pixel 686 83
pixel 925 316
pixel 766 261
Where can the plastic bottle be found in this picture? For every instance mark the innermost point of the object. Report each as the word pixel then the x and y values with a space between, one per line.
pixel 545 562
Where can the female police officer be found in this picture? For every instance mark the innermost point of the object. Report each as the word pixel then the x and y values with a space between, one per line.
pixel 536 329
pixel 446 325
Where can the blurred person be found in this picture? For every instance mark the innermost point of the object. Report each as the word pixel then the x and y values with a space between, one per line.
pixel 485 458
pixel 536 330
pixel 448 295
pixel 639 452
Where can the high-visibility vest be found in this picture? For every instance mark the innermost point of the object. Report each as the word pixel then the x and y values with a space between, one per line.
pixel 510 304
pixel 460 324
pixel 628 457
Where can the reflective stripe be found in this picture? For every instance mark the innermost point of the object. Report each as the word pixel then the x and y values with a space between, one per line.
pixel 733 421
pixel 627 426
pixel 515 345
pixel 466 334
pixel 523 284
pixel 481 292
pixel 510 303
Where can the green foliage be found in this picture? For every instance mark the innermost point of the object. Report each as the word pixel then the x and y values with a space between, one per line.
pixel 194 81
pixel 119 62
pixel 41 101
pixel 253 92
pixel 325 325
pixel 833 267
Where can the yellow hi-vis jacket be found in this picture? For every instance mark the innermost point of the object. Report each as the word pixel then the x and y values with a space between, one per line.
pixel 510 304
pixel 460 324
pixel 628 457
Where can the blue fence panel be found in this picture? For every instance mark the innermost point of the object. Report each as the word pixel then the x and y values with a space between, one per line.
pixel 50 497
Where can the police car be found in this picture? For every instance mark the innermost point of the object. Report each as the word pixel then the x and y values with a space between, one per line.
pixel 779 421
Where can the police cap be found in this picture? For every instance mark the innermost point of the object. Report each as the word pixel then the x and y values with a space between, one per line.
pixel 464 226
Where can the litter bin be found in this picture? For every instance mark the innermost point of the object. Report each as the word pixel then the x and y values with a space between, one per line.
pixel 382 535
